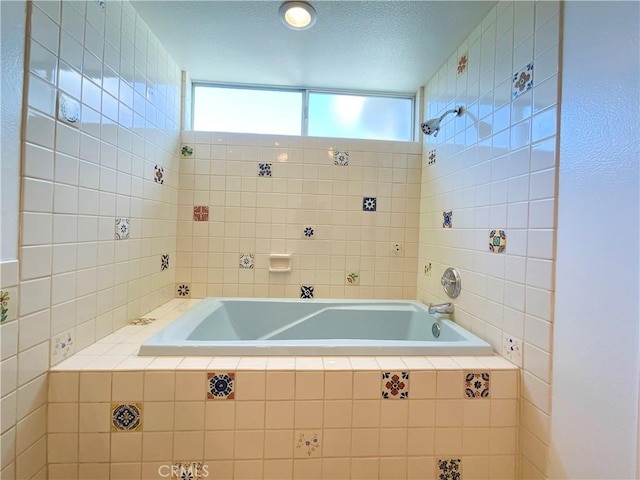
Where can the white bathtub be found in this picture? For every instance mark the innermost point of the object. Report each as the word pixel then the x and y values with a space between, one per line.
pixel 248 326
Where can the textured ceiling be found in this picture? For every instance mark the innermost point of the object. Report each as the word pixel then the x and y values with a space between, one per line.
pixel 384 46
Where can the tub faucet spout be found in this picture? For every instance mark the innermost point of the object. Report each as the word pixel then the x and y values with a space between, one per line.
pixel 441 308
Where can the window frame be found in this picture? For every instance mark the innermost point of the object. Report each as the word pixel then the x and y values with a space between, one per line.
pixel 304 120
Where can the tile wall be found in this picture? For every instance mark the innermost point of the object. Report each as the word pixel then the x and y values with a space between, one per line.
pixel 489 196
pixel 345 210
pixel 101 120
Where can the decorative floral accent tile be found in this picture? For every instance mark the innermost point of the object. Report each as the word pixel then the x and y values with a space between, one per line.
pixel 264 169
pixel 497 241
pixel 188 471
pixel 449 469
pixel 447 219
pixel 122 228
pixel 306 291
pixel 432 157
pixel 395 384
pixel 186 151
pixel 158 176
pixel 462 63
pixel 397 250
pixel 4 305
pixel 308 443
pixel 183 290
pixel 476 384
pixel 247 260
pixel 62 347
pixel 220 386
pixel 164 262
pixel 341 158
pixel 352 279
pixel 102 4
pixel 369 204
pixel 126 417
pixel 522 80
pixel 142 321
pixel 201 213
pixel 512 349
pixel 309 232
pixel 68 109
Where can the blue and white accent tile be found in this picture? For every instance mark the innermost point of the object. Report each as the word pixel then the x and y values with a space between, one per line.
pixel 183 290
pixel 306 291
pixel 432 157
pixel 102 4
pixel 220 385
pixel 352 279
pixel 447 219
pixel 164 262
pixel 62 347
pixel 476 384
pixel 188 471
pixel 126 417
pixel 158 174
pixel 522 80
pixel 309 232
pixel 395 385
pixel 186 151
pixel 341 159
pixel 449 469
pixel 247 260
pixel 369 204
pixel 122 228
pixel 497 241
pixel 512 349
pixel 308 444
pixel 265 169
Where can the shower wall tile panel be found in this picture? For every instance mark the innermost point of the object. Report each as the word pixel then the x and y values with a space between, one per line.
pixel 306 197
pixel 496 169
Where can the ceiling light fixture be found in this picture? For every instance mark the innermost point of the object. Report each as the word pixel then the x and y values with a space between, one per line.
pixel 297 15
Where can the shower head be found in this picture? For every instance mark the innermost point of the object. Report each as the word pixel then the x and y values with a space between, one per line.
pixel 432 127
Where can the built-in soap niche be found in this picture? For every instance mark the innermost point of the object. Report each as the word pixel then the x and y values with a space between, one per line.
pixel 280 262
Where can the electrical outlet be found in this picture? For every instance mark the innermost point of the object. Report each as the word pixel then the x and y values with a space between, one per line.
pixel 427 269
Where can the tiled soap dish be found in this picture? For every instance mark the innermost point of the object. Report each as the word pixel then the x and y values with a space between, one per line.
pixel 280 262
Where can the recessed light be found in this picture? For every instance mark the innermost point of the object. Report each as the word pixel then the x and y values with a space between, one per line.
pixel 297 15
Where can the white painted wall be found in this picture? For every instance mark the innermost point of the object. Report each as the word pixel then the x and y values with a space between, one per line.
pixel 595 369
pixel 13 16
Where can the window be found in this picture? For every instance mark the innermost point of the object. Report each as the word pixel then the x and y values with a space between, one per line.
pixel 281 112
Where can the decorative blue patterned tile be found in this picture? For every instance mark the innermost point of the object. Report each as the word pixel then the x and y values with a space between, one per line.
pixel 264 169
pixel 62 347
pixel 220 385
pixel 102 4
pixel 308 443
pixel 158 175
pixel 164 262
pixel 183 290
pixel 522 80
pixel 122 228
pixel 476 384
pixel 247 260
pixel 449 469
pixel 306 291
pixel 309 232
pixel 497 241
pixel 432 157
pixel 186 151
pixel 369 204
pixel 512 349
pixel 395 385
pixel 447 219
pixel 341 158
pixel 126 417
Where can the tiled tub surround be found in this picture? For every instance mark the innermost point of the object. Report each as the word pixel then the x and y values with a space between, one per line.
pixel 115 415
pixel 496 173
pixel 77 283
pixel 262 194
